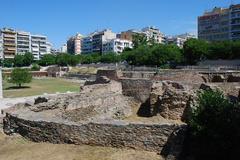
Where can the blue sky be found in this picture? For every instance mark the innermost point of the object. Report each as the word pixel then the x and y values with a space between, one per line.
pixel 59 19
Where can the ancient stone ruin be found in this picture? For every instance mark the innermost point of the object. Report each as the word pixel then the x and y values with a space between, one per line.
pixel 103 113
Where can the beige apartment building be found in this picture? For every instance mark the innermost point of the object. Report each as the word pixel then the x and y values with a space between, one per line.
pixel 9 43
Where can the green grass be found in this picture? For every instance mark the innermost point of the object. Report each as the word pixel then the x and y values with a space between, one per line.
pixel 39 87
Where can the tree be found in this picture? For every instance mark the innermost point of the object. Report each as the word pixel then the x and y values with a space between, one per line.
pixel 28 59
pixel 18 61
pixel 195 50
pixel 110 58
pixel 19 76
pixel 47 59
pixel 63 59
pixel 139 40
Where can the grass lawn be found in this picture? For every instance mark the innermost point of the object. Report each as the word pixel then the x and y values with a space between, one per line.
pixel 39 87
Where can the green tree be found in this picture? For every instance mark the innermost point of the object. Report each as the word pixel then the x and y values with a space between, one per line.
pixel 28 59
pixel 195 50
pixel 110 58
pixel 139 40
pixel 63 59
pixel 47 59
pixel 19 61
pixel 20 76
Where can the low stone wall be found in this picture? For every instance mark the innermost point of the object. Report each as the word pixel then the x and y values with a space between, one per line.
pixel 138 74
pixel 149 137
pixel 138 88
pixel 111 74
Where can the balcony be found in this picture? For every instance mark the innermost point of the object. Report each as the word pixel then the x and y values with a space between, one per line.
pixel 10 44
pixel 8 36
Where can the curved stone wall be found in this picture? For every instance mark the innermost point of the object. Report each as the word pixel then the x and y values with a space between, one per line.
pixel 149 137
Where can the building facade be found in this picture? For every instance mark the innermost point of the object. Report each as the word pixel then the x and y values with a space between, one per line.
pixel 74 44
pixel 116 45
pixel 235 22
pixel 14 42
pixel 154 34
pixel 9 43
pixel 179 40
pixel 23 42
pixel 1 46
pixel 63 48
pixel 99 38
pixel 87 45
pixel 129 35
pixel 38 46
pixel 220 24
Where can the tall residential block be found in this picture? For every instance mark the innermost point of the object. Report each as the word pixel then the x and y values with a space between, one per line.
pixel 87 44
pixel 9 43
pixel 14 42
pixel 23 42
pixel 1 46
pixel 220 24
pixel 74 44
pixel 38 46
pixel 99 38
pixel 235 22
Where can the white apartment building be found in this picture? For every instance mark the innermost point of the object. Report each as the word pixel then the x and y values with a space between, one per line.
pixel 49 48
pixel 179 40
pixel 63 48
pixel 1 46
pixel 154 33
pixel 116 45
pixel 38 46
pixel 23 42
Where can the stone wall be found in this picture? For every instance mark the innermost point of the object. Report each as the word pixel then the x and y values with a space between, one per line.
pixel 111 74
pixel 138 88
pixel 150 137
pixel 138 74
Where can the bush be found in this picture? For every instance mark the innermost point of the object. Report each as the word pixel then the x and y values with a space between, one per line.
pixel 35 67
pixel 214 127
pixel 19 76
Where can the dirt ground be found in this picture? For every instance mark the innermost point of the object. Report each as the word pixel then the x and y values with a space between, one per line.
pixel 17 148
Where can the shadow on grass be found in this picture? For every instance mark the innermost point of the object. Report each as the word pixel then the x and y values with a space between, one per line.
pixel 16 87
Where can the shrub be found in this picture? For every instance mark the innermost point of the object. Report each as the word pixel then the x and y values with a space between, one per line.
pixel 214 127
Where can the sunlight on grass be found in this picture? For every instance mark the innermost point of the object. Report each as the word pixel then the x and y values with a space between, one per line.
pixel 39 87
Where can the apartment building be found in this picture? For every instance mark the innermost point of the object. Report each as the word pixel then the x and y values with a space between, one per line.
pixel 235 22
pixel 49 48
pixel 38 46
pixel 74 44
pixel 116 45
pixel 220 24
pixel 1 46
pixel 87 44
pixel 99 38
pixel 23 42
pixel 179 40
pixel 9 43
pixel 63 48
pixel 154 34
pixel 128 35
